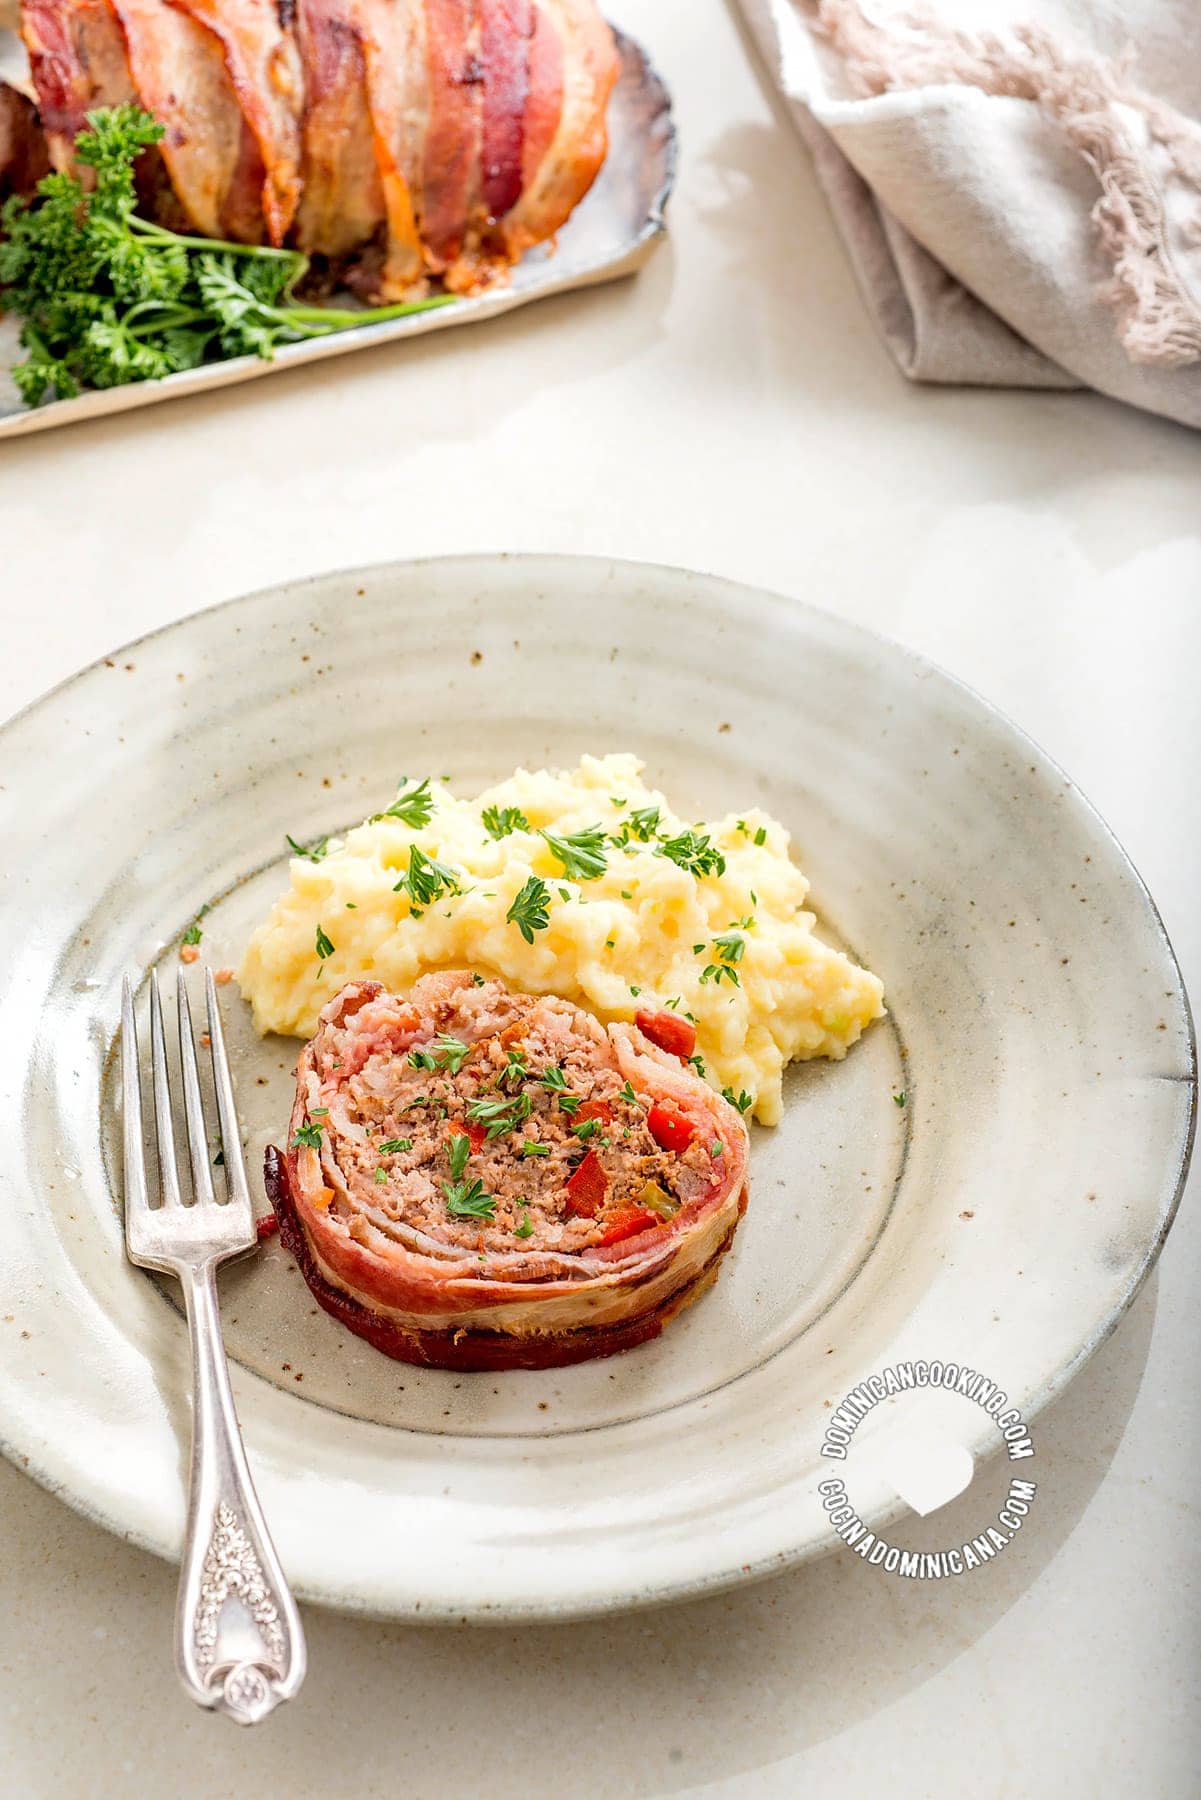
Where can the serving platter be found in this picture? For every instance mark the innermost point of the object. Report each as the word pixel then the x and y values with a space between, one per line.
pixel 1002 1217
pixel 612 232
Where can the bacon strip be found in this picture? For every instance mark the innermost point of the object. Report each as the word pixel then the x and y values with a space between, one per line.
pixel 264 68
pixel 23 153
pixel 180 76
pixel 342 205
pixel 392 34
pixel 77 58
pixel 452 140
pixel 506 31
pixel 573 67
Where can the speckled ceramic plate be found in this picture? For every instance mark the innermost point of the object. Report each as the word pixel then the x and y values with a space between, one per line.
pixel 611 233
pixel 1002 1218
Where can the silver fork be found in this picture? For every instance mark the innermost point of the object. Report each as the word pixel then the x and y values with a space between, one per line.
pixel 242 1658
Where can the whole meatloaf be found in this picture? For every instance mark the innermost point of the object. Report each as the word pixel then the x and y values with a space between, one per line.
pixel 478 1179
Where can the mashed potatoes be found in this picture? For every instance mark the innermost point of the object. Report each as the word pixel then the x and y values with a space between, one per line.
pixel 583 884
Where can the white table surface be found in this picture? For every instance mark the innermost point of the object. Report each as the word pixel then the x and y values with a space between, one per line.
pixel 729 410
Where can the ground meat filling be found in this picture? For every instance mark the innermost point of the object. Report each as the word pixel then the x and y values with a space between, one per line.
pixel 469 1126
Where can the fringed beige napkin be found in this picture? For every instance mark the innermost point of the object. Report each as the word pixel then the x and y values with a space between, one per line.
pixel 1022 204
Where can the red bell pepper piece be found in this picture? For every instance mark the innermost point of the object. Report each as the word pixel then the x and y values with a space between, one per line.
pixel 671 1033
pixel 594 1109
pixel 628 1223
pixel 670 1130
pixel 469 1129
pixel 587 1187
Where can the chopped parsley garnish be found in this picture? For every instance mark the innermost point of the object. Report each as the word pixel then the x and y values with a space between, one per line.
pixel 452 1052
pixel 457 1152
pixel 692 851
pixel 309 1135
pixel 381 1175
pixel 635 991
pixel 525 1229
pixel 531 1147
pixel 529 909
pixel 697 949
pixel 412 806
pixel 447 1053
pixel 514 1069
pixel 499 821
pixel 899 1099
pixel 717 1148
pixel 698 1063
pixel 586 1128
pixel 192 935
pixel 626 894
pixel 741 1100
pixel 395 1146
pixel 555 1083
pixel 628 1095
pixel 312 852
pixel 427 879
pixel 565 894
pixel 582 854
pixel 467 1199
pixel 730 947
pixel 761 835
pixel 610 943
pixel 500 1115
pixel 719 972
pixel 325 945
pixel 642 825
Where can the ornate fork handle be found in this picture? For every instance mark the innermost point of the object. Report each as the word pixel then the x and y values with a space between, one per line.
pixel 246 1657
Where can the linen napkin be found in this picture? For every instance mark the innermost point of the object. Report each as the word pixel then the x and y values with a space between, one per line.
pixel 1021 200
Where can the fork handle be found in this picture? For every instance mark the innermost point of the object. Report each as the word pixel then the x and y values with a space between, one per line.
pixel 239 1644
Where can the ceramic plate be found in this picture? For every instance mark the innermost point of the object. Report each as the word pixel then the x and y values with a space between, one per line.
pixel 611 233
pixel 1002 1218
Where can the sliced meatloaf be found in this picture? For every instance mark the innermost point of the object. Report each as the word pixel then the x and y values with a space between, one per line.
pixel 478 1179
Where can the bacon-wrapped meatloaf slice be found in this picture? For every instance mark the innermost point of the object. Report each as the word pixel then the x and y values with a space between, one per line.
pixel 478 1179
pixel 400 139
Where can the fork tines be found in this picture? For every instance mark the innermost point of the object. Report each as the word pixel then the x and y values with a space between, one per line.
pixel 234 1217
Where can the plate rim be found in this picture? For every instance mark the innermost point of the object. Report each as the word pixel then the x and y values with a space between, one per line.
pixel 723 1579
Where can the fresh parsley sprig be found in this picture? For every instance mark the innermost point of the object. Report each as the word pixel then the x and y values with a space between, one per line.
pixel 582 854
pixel 500 821
pixel 467 1200
pixel 107 297
pixel 427 880
pixel 530 911
pixel 412 806
pixel 313 852
pixel 692 851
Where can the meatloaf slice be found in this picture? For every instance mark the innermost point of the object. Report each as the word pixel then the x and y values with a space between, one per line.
pixel 479 1179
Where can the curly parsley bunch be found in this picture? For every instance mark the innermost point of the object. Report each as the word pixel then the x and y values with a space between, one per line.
pixel 107 297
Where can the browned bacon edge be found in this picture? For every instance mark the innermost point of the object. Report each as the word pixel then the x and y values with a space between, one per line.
pixel 469 1351
pixel 23 156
